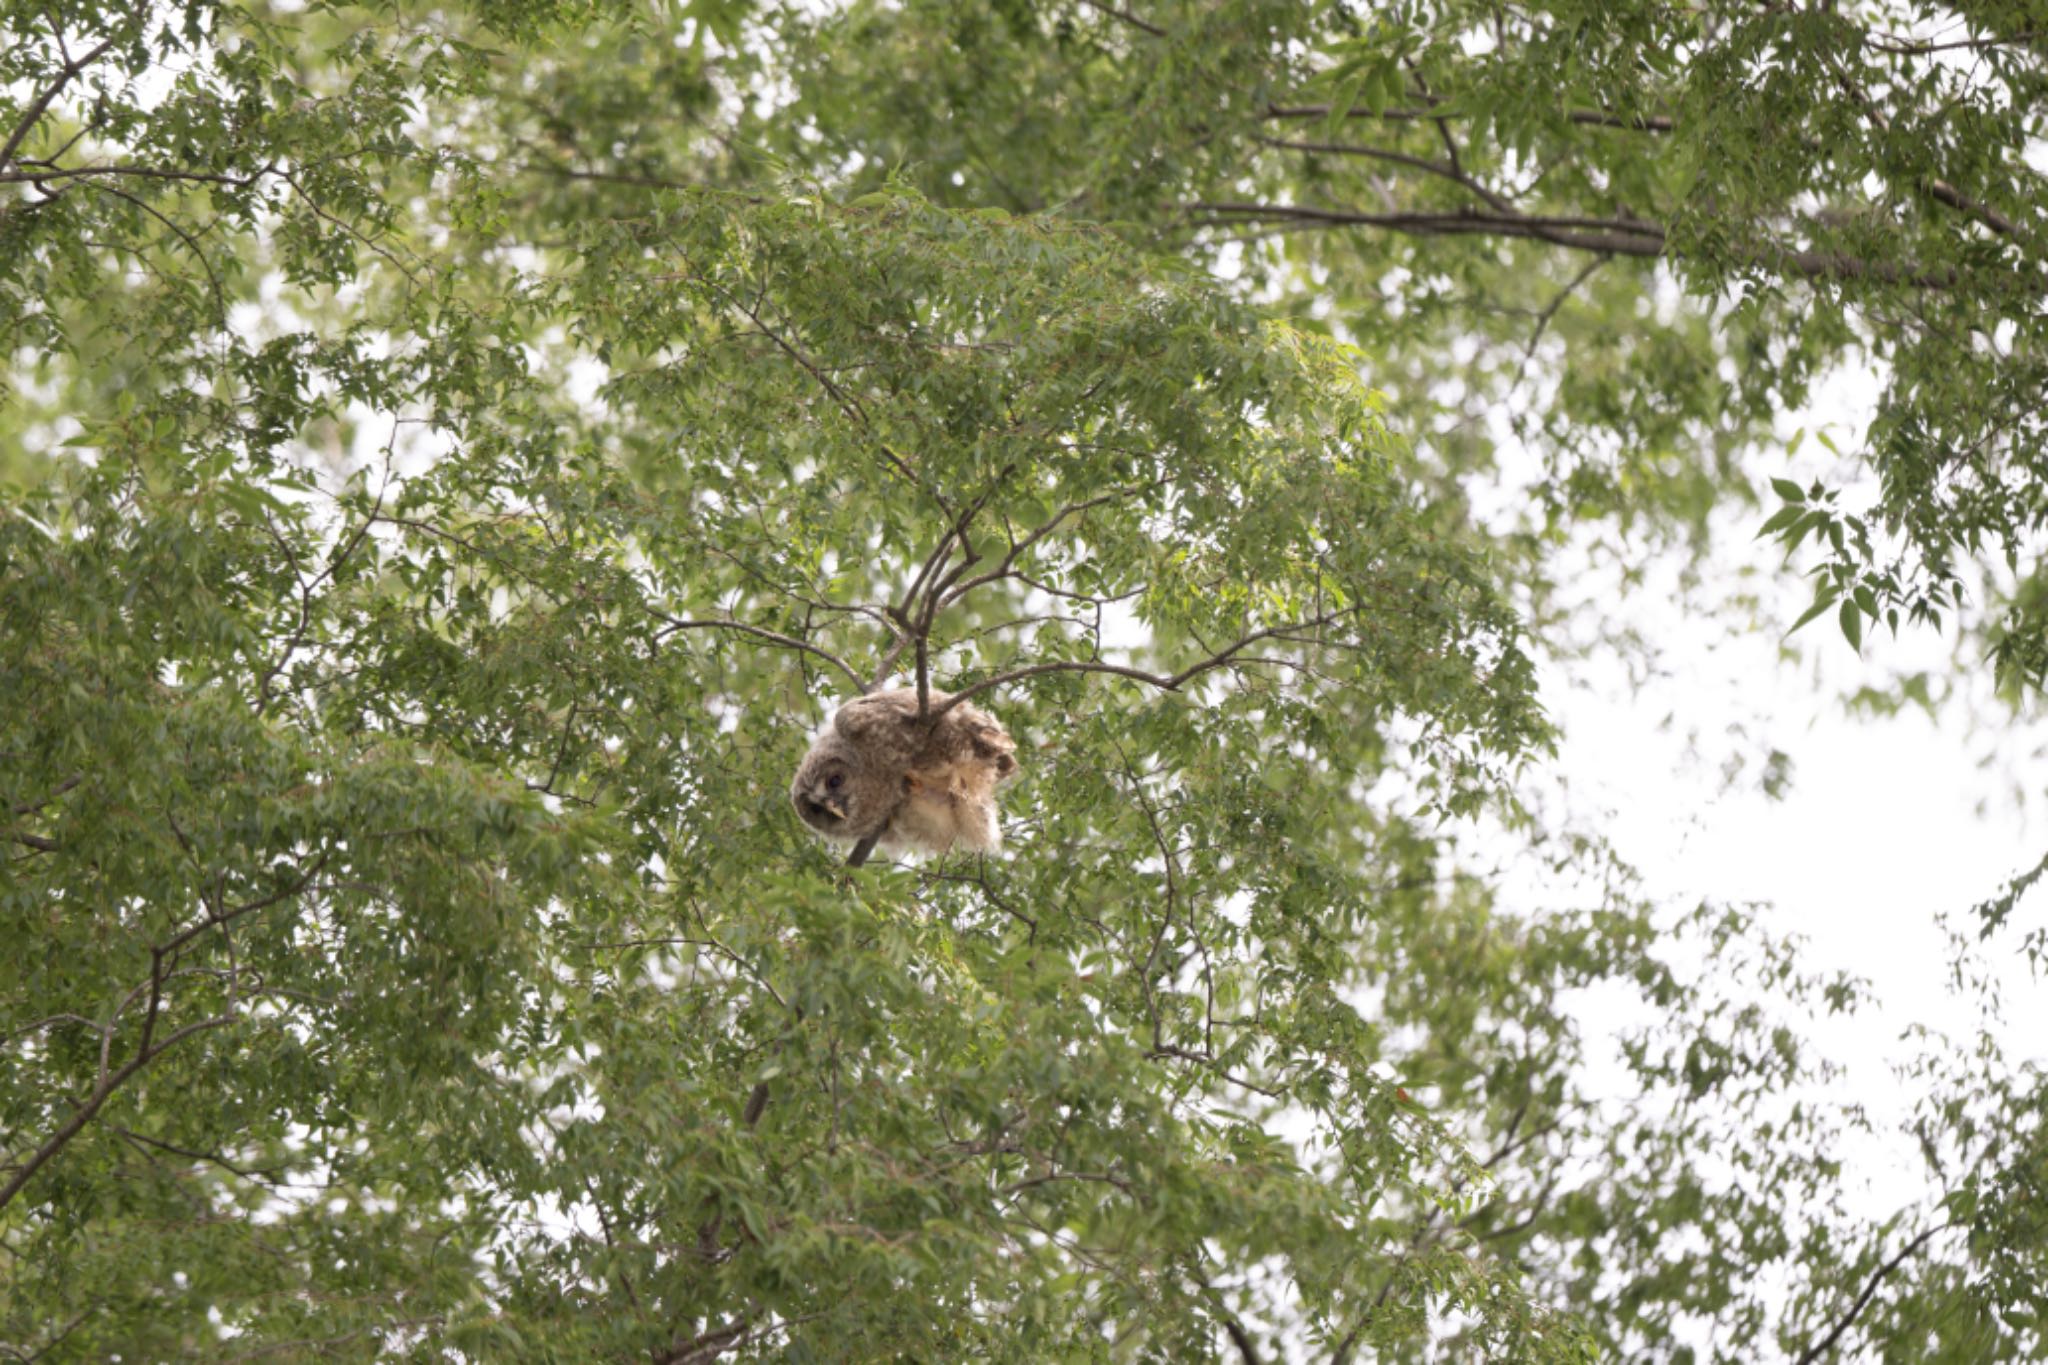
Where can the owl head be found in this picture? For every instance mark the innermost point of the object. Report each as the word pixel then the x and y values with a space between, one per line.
pixel 840 795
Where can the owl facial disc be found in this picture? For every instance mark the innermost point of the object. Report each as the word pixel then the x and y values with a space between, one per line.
pixel 825 803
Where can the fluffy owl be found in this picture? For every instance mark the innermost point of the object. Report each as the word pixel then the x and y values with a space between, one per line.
pixel 925 785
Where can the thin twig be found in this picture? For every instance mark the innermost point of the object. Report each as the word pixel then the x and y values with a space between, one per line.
pixel 1166 682
pixel 676 623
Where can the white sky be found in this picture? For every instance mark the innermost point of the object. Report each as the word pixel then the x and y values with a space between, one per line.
pixel 1888 822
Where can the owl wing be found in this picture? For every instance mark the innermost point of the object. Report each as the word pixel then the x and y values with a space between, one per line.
pixel 883 726
pixel 987 740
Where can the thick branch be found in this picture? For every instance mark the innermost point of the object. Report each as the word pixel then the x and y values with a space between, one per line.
pixel 757 1104
pixel 707 1345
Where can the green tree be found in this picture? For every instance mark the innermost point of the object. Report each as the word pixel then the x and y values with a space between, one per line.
pixel 1705 207
pixel 457 457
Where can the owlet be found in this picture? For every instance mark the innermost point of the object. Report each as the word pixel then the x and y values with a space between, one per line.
pixel 922 785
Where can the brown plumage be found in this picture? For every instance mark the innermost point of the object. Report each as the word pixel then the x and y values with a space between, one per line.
pixel 924 785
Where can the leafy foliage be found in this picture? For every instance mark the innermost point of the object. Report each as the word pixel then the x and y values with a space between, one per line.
pixel 1704 208
pixel 430 544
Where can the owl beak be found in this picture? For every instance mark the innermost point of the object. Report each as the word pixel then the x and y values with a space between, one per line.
pixel 830 803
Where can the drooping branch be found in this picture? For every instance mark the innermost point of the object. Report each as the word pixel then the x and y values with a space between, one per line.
pixel 1937 188
pixel 191 243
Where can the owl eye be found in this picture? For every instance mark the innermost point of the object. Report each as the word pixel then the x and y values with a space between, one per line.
pixel 832 782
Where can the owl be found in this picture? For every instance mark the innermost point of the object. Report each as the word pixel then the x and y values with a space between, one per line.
pixel 923 785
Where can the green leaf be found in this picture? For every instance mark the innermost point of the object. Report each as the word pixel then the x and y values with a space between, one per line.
pixel 1343 101
pixel 1779 520
pixel 1822 600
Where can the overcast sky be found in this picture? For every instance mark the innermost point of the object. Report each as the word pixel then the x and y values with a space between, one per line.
pixel 1886 823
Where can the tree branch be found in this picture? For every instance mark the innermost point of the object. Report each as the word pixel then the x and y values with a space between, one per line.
pixel 861 851
pixel 31 807
pixel 262 1175
pixel 1002 570
pixel 55 172
pixel 1549 312
pixel 1621 236
pixel 1597 118
pixel 1612 236
pixel 1826 1344
pixel 34 113
pixel 676 623
pixel 149 1048
pixel 71 1127
pixel 1897 47
pixel 706 1345
pixel 1166 682
pixel 1133 20
pixel 1446 170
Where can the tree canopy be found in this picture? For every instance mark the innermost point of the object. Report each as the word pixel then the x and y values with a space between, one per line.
pixel 454 457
